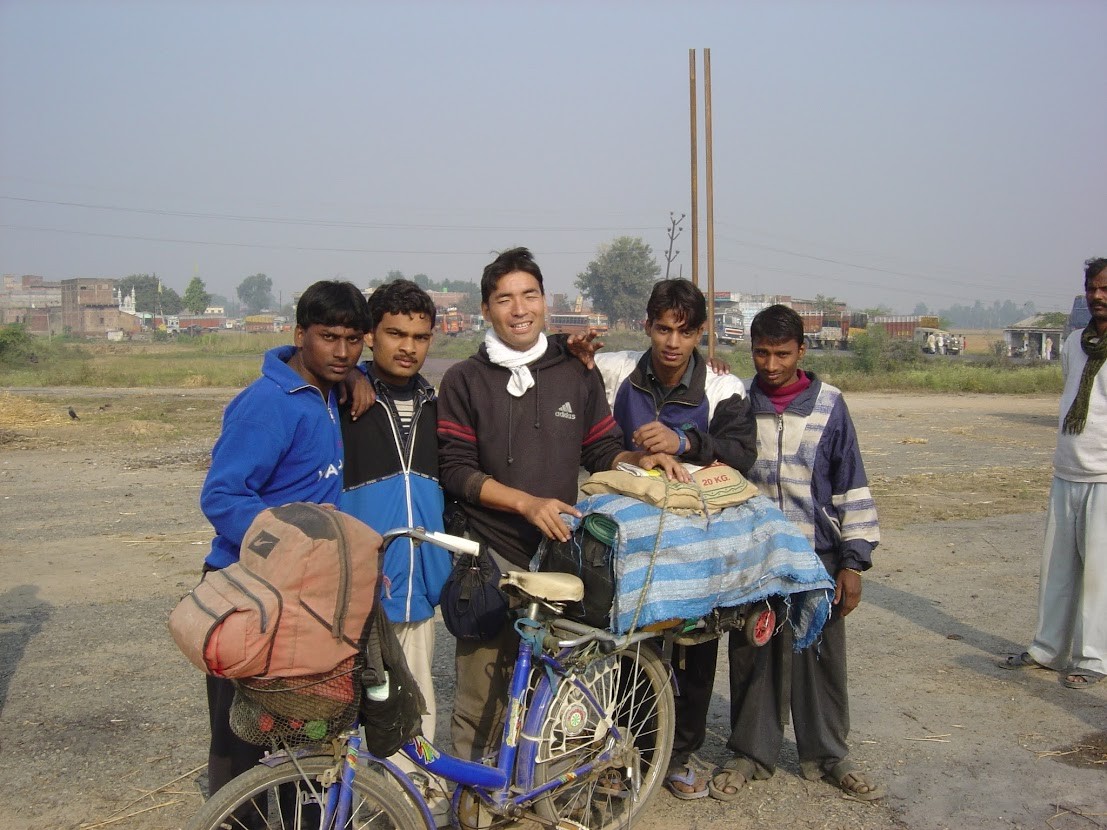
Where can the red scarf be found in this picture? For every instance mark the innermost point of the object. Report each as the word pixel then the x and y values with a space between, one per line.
pixel 780 398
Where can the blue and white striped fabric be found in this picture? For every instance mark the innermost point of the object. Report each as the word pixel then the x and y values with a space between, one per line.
pixel 741 554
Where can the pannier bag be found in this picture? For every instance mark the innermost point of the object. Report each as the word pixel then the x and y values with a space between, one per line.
pixel 473 606
pixel 392 705
pixel 296 602
pixel 589 555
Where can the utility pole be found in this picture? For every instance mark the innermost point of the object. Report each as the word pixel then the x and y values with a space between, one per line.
pixel 695 168
pixel 710 292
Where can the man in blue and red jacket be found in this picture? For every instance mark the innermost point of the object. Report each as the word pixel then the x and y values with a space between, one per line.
pixel 667 400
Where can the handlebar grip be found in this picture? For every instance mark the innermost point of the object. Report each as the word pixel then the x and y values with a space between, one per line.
pixel 457 544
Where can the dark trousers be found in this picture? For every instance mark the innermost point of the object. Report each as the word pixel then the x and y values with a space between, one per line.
pixel 228 754
pixel 694 670
pixel 483 671
pixel 769 682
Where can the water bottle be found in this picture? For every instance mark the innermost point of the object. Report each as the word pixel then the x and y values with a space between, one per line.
pixel 378 693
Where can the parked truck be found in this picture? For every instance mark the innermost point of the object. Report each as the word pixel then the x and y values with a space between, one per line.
pixel 451 321
pixel 902 326
pixel 826 331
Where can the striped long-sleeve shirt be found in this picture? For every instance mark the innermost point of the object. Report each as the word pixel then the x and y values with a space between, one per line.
pixel 809 462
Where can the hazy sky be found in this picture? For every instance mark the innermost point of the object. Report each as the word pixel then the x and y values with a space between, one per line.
pixel 879 152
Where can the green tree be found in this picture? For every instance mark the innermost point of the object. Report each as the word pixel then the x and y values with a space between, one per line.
pixel 170 302
pixel 876 311
pixel 196 297
pixel 619 280
pixel 256 293
pixel 151 294
pixel 145 287
pixel 828 305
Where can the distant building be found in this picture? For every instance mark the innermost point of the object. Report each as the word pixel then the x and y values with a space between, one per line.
pixel 32 302
pixel 1079 317
pixel 447 299
pixel 91 308
pixel 1027 338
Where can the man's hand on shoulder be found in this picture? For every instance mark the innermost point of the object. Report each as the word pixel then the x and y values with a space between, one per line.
pixel 718 366
pixel 584 347
pixel 357 388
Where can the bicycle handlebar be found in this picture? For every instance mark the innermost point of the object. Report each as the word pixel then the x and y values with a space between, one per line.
pixel 457 544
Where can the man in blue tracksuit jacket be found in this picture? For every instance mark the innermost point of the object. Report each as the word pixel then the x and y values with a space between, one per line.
pixel 391 472
pixel 281 443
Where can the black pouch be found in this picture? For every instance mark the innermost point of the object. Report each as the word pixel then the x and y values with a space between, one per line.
pixel 391 705
pixel 473 606
pixel 588 556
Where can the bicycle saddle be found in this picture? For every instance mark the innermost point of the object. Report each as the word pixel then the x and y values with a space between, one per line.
pixel 552 587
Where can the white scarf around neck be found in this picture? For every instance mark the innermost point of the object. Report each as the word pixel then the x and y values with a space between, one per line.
pixel 503 355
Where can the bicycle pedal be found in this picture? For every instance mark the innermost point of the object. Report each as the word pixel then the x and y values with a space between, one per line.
pixel 569 824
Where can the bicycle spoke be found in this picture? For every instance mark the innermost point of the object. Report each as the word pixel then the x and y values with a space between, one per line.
pixel 628 696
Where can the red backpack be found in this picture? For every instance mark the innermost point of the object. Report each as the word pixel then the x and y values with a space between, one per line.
pixel 294 604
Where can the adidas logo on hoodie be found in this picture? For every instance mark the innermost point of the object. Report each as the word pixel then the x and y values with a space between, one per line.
pixel 565 411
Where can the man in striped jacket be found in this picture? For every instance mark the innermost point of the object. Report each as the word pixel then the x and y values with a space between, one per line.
pixel 809 462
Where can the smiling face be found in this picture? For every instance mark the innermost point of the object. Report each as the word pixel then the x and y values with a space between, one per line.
pixel 671 345
pixel 1095 292
pixel 516 310
pixel 400 343
pixel 777 362
pixel 326 354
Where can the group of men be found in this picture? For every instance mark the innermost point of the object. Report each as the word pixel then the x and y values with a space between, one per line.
pixel 500 448
pixel 942 343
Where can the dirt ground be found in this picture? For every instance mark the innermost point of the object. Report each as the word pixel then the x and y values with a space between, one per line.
pixel 103 722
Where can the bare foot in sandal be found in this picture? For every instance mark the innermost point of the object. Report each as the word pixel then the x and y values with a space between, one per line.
pixel 727 782
pixel 848 777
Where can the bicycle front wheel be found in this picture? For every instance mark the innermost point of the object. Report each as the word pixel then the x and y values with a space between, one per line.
pixel 282 798
pixel 635 697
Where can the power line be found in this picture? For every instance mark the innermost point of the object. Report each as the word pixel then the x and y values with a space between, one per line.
pixel 483 252
pixel 325 223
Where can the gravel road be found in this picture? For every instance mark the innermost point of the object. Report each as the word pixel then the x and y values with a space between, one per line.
pixel 103 722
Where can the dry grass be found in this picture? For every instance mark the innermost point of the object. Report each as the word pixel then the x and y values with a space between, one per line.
pixel 994 491
pixel 24 413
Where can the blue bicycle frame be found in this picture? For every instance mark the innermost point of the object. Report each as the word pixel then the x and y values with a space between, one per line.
pixel 492 784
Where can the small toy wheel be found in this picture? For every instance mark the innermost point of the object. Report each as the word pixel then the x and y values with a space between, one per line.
pixel 760 626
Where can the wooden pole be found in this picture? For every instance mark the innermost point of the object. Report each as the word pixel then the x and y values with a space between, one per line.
pixel 710 205
pixel 695 168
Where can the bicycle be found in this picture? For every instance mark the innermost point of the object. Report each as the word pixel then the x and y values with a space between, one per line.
pixel 586 742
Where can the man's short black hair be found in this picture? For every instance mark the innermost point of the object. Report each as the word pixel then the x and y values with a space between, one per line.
pixel 682 298
pixel 777 324
pixel 1093 268
pixel 333 303
pixel 399 297
pixel 515 259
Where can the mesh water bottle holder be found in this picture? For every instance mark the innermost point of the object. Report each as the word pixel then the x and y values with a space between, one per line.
pixel 297 710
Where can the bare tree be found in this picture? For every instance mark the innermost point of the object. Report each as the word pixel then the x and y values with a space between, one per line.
pixel 675 229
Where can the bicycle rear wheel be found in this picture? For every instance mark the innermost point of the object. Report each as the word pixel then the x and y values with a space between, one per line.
pixel 280 798
pixel 633 690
